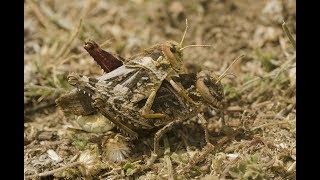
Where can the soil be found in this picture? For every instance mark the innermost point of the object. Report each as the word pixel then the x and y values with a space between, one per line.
pixel 258 139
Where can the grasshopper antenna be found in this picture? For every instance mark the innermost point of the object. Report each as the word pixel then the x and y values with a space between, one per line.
pixel 184 35
pixel 225 72
pixel 201 45
pixel 185 32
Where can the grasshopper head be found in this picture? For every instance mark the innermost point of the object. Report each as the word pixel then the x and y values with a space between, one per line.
pixel 209 88
pixel 173 53
pixel 209 85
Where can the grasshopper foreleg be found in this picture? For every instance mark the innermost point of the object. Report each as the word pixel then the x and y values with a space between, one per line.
pixel 145 112
pixel 182 92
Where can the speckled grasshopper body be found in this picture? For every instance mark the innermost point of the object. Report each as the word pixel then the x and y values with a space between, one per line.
pixel 131 95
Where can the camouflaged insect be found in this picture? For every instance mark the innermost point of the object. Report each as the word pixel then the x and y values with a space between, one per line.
pixel 149 90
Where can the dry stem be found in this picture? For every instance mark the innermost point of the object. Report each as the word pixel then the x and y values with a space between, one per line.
pixel 41 17
pixel 47 173
pixel 65 48
pixel 286 30
pixel 167 158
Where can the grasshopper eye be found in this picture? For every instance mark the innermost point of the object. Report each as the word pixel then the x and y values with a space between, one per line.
pixel 73 79
pixel 173 49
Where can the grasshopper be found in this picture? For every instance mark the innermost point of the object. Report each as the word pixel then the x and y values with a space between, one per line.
pixel 138 79
pixel 130 94
pixel 201 87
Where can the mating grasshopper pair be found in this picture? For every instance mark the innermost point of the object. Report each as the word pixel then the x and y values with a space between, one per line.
pixel 147 91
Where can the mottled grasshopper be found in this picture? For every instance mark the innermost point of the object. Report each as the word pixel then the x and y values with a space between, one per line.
pixel 138 79
pixel 200 87
pixel 129 95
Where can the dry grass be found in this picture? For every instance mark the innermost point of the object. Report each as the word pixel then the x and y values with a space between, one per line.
pixel 258 140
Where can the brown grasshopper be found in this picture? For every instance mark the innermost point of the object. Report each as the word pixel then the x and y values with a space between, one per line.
pixel 200 87
pixel 138 79
pixel 129 94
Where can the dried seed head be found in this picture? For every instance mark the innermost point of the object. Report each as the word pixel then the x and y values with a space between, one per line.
pixel 115 149
pixel 90 162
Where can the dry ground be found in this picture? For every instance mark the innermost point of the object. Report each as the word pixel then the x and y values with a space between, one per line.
pixel 258 141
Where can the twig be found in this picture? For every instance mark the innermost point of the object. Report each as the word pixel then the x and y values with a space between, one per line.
pixel 204 125
pixel 273 74
pixel 78 56
pixel 261 104
pixel 41 17
pixel 184 138
pixel 228 166
pixel 206 150
pixel 38 107
pixel 32 86
pixel 30 148
pixel 47 173
pixel 65 49
pixel 227 138
pixel 87 7
pixel 268 124
pixel 292 167
pixel 53 18
pixel 151 160
pixel 234 108
pixel 286 30
pixel 167 158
